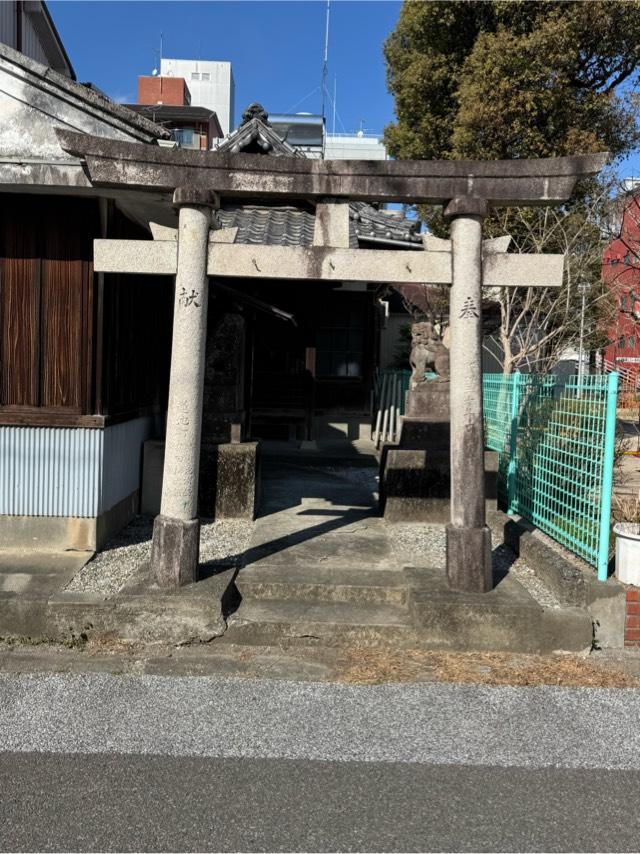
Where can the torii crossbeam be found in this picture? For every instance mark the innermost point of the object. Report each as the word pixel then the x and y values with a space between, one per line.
pixel 466 189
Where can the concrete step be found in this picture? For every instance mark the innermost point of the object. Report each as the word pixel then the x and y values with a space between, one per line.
pixel 353 427
pixel 332 623
pixel 322 584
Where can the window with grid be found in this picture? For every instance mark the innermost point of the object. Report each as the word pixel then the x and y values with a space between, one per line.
pixel 339 344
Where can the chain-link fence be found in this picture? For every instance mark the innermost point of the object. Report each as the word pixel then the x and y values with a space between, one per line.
pixel 556 445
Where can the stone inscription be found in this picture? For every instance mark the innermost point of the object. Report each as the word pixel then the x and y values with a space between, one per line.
pixel 186 299
pixel 469 308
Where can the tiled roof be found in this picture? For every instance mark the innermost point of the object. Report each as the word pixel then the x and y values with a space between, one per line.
pixel 293 226
pixel 274 226
pixel 368 222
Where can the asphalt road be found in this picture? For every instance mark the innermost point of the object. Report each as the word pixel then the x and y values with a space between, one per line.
pixel 96 762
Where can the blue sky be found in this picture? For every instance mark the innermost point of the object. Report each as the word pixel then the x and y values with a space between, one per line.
pixel 276 49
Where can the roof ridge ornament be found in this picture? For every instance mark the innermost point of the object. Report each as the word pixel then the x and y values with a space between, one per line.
pixel 255 111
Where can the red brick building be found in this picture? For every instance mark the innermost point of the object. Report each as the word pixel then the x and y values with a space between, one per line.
pixel 621 272
pixel 166 101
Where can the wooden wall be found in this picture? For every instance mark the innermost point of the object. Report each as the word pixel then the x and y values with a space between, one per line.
pixel 75 348
pixel 46 302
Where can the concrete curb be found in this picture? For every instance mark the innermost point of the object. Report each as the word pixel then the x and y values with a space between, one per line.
pixel 507 619
pixel 572 581
pixel 195 613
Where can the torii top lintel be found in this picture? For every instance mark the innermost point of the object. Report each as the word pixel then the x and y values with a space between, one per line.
pixel 112 163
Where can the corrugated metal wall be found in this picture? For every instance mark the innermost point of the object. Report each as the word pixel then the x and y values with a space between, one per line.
pixel 31 43
pixel 50 471
pixel 8 24
pixel 59 471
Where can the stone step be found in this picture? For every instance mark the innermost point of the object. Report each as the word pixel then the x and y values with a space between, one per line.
pixel 322 584
pixel 269 622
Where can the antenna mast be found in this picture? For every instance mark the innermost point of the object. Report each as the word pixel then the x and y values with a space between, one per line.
pixel 335 86
pixel 325 61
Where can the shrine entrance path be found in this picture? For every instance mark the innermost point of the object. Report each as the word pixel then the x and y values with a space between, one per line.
pixel 321 564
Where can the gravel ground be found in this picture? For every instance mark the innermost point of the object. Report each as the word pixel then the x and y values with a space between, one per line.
pixel 530 727
pixel 422 545
pixel 110 569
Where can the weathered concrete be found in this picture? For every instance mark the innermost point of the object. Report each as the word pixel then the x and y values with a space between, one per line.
pixel 195 613
pixel 229 480
pixel 175 550
pixel 414 485
pixel 572 581
pixel 506 618
pixel 332 225
pixel 66 532
pixel 500 182
pixel 228 483
pixel 415 477
pixel 469 558
pixel 174 553
pixel 48 532
pixel 159 257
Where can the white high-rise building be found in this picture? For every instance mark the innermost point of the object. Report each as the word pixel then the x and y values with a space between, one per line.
pixel 210 84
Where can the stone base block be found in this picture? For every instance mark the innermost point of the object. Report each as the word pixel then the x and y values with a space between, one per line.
pixel 175 549
pixel 429 400
pixel 506 619
pixel 229 480
pixel 469 559
pixel 414 485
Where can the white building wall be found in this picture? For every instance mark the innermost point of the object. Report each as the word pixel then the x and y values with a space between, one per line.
pixel 353 147
pixel 210 83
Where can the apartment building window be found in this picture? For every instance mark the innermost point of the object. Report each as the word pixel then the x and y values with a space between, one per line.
pixel 195 75
pixel 205 76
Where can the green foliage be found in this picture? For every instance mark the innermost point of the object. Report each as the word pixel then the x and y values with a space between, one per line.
pixel 512 79
pixel 493 80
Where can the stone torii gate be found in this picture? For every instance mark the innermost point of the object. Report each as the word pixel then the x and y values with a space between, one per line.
pixel 466 189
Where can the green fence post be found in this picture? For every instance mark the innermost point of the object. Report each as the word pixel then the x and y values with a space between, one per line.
pixel 513 442
pixel 607 476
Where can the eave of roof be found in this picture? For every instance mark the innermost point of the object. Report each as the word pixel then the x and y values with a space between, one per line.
pixel 94 100
pixel 173 111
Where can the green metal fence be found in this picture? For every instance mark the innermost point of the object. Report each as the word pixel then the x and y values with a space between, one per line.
pixel 556 445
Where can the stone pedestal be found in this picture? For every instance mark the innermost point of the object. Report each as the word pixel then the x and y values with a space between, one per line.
pixel 229 480
pixel 415 475
pixel 174 551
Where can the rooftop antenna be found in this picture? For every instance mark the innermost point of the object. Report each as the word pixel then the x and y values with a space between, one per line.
pixel 325 60
pixel 158 70
pixel 335 86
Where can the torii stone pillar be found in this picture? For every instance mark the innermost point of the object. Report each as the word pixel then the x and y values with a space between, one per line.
pixel 467 536
pixel 176 531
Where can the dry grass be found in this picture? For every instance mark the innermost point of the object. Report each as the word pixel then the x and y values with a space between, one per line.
pixel 371 666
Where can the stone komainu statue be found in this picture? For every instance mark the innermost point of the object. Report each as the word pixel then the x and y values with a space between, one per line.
pixel 428 353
